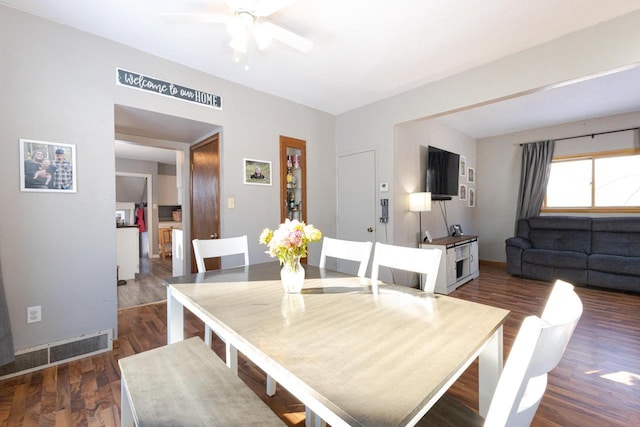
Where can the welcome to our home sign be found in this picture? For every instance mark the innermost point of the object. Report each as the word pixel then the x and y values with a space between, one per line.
pixel 150 84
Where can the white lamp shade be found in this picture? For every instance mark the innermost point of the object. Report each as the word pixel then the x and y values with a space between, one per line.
pixel 419 202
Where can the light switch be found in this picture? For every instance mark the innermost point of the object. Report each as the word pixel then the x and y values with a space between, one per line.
pixel 231 202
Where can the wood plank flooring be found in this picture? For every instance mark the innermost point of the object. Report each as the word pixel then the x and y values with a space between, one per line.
pixel 596 384
pixel 147 287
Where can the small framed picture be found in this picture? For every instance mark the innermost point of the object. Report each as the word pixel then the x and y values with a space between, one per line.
pixel 47 166
pixel 456 230
pixel 463 165
pixel 472 198
pixel 257 172
pixel 462 192
pixel 471 175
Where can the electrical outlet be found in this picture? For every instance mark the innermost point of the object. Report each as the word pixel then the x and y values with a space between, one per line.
pixel 34 314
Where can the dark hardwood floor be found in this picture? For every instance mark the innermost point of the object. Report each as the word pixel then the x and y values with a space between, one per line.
pixel 596 384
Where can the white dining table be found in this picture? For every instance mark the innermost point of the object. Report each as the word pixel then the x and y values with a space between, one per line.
pixel 353 353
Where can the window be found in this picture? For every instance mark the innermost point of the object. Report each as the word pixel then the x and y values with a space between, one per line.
pixel 600 182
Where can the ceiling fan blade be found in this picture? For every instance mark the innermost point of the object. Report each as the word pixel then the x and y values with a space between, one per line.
pixel 195 18
pixel 234 5
pixel 287 37
pixel 267 7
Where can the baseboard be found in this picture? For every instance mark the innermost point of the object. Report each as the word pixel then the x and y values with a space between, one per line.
pixel 34 358
pixel 493 263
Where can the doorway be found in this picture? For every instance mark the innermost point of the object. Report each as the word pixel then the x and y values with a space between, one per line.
pixel 152 139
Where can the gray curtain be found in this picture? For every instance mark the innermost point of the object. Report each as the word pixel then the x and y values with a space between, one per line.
pixel 6 339
pixel 534 177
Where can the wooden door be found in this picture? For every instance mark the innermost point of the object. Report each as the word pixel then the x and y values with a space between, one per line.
pixel 205 195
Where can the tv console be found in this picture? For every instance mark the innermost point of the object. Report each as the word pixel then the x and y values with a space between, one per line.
pixel 458 263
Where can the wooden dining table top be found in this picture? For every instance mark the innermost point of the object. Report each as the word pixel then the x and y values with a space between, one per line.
pixel 355 354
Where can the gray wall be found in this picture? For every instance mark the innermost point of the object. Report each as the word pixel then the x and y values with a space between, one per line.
pixel 411 142
pixel 59 250
pixel 602 48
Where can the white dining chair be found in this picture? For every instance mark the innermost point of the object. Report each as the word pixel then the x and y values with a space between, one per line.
pixel 213 248
pixel 537 349
pixel 417 260
pixel 347 250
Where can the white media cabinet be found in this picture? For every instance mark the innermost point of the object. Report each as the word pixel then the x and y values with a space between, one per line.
pixel 458 263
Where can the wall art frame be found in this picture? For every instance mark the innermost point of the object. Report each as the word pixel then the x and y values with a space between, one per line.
pixel 257 172
pixel 47 167
pixel 463 165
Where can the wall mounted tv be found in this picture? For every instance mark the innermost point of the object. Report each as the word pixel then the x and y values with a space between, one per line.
pixel 443 170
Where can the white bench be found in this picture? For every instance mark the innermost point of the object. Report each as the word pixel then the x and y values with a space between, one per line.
pixel 187 384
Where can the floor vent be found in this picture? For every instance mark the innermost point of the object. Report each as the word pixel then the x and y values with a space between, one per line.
pixel 39 357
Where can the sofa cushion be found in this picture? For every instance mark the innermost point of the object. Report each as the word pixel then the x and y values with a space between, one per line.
pixel 560 223
pixel 549 258
pixel 616 236
pixel 543 272
pixel 560 233
pixel 614 281
pixel 615 264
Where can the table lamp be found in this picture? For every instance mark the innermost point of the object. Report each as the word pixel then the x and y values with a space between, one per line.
pixel 420 202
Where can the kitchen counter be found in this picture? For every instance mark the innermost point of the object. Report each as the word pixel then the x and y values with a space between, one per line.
pixel 170 224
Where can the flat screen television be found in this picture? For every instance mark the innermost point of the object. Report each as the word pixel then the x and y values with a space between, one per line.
pixel 442 173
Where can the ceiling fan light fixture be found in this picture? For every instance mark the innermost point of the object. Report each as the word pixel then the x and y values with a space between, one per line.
pixel 239 44
pixel 262 36
pixel 241 23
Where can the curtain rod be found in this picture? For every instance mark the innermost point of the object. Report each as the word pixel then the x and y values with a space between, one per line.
pixel 589 134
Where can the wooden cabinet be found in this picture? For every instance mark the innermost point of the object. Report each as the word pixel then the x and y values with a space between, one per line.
pixel 458 263
pixel 293 179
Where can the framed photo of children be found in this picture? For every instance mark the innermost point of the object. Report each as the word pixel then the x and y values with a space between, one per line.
pixel 47 166
pixel 257 172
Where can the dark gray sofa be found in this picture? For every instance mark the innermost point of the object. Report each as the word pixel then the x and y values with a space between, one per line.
pixel 602 252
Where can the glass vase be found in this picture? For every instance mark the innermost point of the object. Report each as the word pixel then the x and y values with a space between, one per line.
pixel 292 277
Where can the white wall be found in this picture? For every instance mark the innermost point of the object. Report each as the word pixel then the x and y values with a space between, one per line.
pixel 59 250
pixel 499 168
pixel 595 50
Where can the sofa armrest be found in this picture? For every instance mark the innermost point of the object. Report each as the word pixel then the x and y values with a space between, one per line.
pixel 519 242
pixel 514 247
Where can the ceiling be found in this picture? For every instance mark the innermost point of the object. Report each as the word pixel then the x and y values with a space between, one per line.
pixel 365 51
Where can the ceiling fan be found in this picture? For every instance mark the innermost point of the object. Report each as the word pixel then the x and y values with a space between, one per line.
pixel 247 21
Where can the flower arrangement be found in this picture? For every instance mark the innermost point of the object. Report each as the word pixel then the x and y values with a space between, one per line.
pixel 289 242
